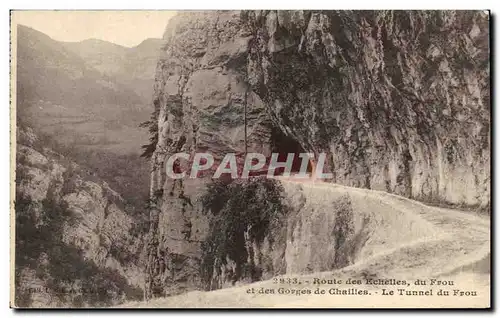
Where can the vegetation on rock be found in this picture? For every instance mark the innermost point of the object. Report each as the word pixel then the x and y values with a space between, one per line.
pixel 243 211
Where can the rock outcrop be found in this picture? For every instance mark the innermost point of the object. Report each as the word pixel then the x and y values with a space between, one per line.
pixel 74 242
pixel 399 100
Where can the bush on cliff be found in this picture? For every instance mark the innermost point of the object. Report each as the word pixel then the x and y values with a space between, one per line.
pixel 251 208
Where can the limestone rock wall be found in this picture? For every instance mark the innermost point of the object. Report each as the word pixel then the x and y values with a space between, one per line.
pixel 67 219
pixel 398 99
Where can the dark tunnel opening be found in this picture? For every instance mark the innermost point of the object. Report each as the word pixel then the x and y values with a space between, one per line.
pixel 283 145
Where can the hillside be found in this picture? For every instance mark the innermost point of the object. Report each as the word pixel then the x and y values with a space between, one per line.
pixel 85 93
pixel 48 71
pixel 73 233
pixel 133 67
pixel 78 240
pixel 106 57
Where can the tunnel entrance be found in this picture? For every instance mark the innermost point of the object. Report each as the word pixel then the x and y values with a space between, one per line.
pixel 283 145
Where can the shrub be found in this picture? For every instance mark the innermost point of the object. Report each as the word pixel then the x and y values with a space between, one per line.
pixel 253 206
pixel 152 126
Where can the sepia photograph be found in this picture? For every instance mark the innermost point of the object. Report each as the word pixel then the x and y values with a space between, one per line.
pixel 250 159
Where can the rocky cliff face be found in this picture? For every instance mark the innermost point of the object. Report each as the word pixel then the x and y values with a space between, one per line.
pixel 398 99
pixel 74 243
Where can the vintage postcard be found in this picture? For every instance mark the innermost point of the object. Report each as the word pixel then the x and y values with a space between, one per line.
pixel 250 159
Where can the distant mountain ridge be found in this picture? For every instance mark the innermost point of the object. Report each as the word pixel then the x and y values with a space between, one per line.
pixel 127 65
pixel 89 93
pixel 91 58
pixel 104 56
pixel 47 71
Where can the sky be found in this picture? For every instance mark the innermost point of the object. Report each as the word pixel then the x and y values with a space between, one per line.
pixel 127 28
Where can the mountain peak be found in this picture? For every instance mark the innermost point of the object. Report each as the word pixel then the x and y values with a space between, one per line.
pixel 100 42
pixel 149 43
pixel 96 45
